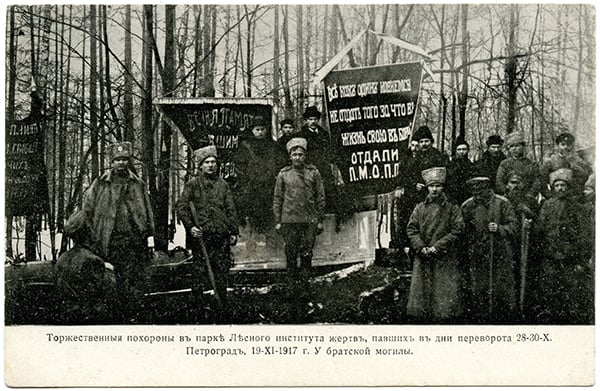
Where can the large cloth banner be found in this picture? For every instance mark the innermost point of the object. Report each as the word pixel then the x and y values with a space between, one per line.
pixel 215 121
pixel 26 178
pixel 371 114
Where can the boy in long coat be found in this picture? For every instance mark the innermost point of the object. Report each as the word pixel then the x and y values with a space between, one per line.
pixel 566 279
pixel 433 229
pixel 490 229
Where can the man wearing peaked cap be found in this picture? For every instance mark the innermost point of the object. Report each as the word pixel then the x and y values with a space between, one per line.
pixel 566 229
pixel 122 227
pixel 207 210
pixel 320 153
pixel 492 157
pixel 564 156
pixel 299 207
pixel 491 227
pixel 517 161
pixel 433 229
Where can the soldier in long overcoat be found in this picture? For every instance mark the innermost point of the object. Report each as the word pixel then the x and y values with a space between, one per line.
pixel 207 210
pixel 117 206
pixel 566 280
pixel 490 229
pixel 434 229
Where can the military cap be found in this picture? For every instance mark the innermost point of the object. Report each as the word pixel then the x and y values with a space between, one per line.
pixel 422 132
pixel 287 121
pixel 296 142
pixel 434 175
pixel 478 179
pixel 122 149
pixel 565 137
pixel 494 139
pixel 205 152
pixel 311 111
pixel 515 138
pixel 515 174
pixel 562 174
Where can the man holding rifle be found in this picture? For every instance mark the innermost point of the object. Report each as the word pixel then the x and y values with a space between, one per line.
pixel 207 210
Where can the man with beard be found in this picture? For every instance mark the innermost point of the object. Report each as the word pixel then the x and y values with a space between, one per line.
pixel 460 170
pixel 490 229
pixel 117 205
pixel 566 277
pixel 491 158
pixel 434 229
pixel 207 211
pixel 517 161
pixel 565 157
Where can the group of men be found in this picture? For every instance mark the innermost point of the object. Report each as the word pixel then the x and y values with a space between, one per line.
pixel 466 223
pixel 519 245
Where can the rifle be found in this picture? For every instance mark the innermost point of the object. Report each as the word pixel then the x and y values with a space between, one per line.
pixel 491 276
pixel 524 254
pixel 200 240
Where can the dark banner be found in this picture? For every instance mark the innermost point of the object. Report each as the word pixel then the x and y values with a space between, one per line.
pixel 26 180
pixel 371 114
pixel 215 121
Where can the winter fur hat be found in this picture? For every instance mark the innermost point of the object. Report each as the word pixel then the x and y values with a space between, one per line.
pixel 123 149
pixel 205 152
pixel 296 142
pixel 515 138
pixel 287 121
pixel 434 175
pixel 494 139
pixel 562 174
pixel 422 132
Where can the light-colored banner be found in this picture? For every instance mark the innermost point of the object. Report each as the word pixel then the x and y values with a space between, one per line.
pixel 298 355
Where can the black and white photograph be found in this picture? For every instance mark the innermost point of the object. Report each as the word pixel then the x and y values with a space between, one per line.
pixel 371 184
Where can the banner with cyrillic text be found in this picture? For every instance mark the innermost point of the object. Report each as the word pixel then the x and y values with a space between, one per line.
pixel 371 114
pixel 215 121
pixel 26 177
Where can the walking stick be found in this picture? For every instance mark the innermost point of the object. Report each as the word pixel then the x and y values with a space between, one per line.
pixel 491 275
pixel 524 254
pixel 211 275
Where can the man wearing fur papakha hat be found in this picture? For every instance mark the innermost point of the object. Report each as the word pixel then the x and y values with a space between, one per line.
pixel 517 161
pixel 434 229
pixel 207 210
pixel 299 207
pixel 566 280
pixel 117 206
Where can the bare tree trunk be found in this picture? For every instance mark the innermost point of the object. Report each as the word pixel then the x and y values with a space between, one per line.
pixel 128 87
pixel 101 83
pixel 462 100
pixel 62 152
pixel 197 49
pixel 299 60
pixel 92 90
pixel 344 35
pixel 286 59
pixel 147 124
pixel 10 110
pixel 276 57
pixel 169 79
pixel 325 34
pixel 511 72
pixel 579 71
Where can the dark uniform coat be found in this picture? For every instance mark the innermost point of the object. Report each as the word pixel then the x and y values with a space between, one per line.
pixel 566 279
pixel 435 283
pixel 460 170
pixel 526 167
pixel 483 247
pixel 256 163
pixel 488 165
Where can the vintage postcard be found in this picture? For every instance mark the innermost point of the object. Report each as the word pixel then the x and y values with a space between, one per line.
pixel 220 195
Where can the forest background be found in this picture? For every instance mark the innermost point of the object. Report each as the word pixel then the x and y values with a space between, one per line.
pixel 98 68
